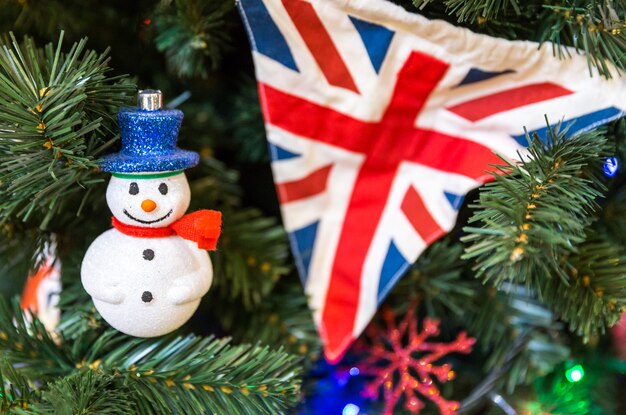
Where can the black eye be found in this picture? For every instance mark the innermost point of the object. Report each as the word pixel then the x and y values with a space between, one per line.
pixel 163 188
pixel 134 189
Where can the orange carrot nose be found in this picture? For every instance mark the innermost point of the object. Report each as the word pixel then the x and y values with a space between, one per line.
pixel 148 205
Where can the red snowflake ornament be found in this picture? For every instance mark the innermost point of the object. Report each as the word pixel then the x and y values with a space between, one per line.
pixel 402 363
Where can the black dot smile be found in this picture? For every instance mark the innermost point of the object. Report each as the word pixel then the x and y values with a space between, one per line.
pixel 147 222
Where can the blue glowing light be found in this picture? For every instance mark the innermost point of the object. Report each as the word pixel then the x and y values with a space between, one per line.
pixel 350 409
pixel 610 166
pixel 354 371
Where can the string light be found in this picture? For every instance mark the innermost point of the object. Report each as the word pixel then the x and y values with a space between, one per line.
pixel 351 409
pixel 575 373
pixel 610 166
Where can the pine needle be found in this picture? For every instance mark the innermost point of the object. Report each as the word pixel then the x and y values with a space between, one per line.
pixel 57 114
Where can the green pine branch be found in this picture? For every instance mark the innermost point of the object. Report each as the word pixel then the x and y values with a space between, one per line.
pixel 251 258
pixel 535 212
pixel 82 392
pixel 247 126
pixel 612 221
pixel 193 34
pixel 213 184
pixel 25 341
pixel 590 26
pixel 514 314
pixel 79 317
pixel 192 375
pixel 595 296
pixel 47 17
pixel 535 232
pixel 17 251
pixel 282 319
pixel 57 113
pixel 187 374
pixel 15 389
pixel 476 10
pixel 436 278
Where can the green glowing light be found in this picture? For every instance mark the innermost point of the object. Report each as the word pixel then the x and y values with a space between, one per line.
pixel 575 373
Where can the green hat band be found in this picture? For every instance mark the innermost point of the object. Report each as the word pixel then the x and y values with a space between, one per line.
pixel 145 176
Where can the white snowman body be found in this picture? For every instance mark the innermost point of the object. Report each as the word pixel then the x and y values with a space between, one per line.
pixel 146 286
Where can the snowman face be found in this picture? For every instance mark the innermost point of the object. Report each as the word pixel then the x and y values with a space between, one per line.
pixel 152 203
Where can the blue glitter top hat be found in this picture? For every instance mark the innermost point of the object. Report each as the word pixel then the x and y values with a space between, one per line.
pixel 149 136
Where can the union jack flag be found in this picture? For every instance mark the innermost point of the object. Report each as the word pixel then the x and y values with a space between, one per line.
pixel 379 121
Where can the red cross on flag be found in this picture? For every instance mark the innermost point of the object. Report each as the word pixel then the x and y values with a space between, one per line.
pixel 379 121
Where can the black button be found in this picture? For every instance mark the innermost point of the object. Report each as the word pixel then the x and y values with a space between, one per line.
pixel 146 297
pixel 148 254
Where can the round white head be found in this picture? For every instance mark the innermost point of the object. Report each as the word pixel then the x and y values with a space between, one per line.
pixel 148 202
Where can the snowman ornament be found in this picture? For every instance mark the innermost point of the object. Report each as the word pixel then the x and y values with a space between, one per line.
pixel 148 273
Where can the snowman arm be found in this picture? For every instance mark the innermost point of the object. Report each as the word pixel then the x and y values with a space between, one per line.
pixel 193 286
pixel 99 290
pixel 100 285
pixel 115 296
pixel 190 287
pixel 99 278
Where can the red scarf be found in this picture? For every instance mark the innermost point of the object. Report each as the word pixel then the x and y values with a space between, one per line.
pixel 202 227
